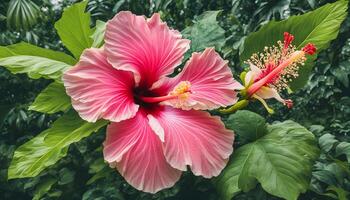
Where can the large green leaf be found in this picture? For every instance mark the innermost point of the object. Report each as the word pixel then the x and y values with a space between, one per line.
pixel 74 28
pixel 23 48
pixel 51 145
pixel 52 99
pixel 35 61
pixel 248 125
pixel 281 161
pixel 319 27
pixel 205 32
pixel 34 66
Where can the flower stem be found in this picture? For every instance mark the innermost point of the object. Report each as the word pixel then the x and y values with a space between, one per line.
pixel 237 106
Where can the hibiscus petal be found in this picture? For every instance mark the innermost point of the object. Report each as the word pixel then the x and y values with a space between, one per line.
pixel 98 90
pixel 137 152
pixel 146 47
pixel 257 71
pixel 252 74
pixel 196 139
pixel 212 84
pixel 269 93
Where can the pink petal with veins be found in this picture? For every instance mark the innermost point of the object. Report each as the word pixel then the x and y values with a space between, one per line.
pixel 196 139
pixel 212 84
pixel 148 48
pixel 136 151
pixel 98 90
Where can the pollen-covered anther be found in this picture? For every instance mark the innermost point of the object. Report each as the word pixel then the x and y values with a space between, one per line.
pixel 182 90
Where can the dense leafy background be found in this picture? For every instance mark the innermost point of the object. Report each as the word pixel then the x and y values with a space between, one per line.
pixel 323 105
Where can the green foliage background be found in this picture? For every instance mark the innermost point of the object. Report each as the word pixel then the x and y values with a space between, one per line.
pixel 322 106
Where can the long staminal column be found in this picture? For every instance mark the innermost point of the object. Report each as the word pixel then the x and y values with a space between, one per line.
pixel 275 72
pixel 270 73
pixel 157 99
pixel 181 90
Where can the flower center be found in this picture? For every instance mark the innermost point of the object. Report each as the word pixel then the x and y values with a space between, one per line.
pixel 181 91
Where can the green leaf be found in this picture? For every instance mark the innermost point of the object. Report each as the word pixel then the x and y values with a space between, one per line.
pixel 103 173
pixel 342 73
pixel 52 99
pixel 118 5
pixel 319 27
pixel 2 17
pixel 330 173
pixel 99 34
pixel 205 32
pixel 327 141
pixel 35 61
pixel 248 125
pixel 44 186
pixel 66 176
pixel 34 66
pixel 51 145
pixel 97 166
pixel 343 148
pixel 74 28
pixel 22 15
pixel 23 48
pixel 281 161
pixel 4 110
pixel 341 193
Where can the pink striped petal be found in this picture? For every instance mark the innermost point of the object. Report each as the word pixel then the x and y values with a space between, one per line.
pixel 196 139
pixel 137 152
pixel 98 90
pixel 269 93
pixel 252 75
pixel 146 47
pixel 212 84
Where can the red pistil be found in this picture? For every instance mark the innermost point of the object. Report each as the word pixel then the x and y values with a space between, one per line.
pixel 289 103
pixel 309 49
pixel 157 99
pixel 288 39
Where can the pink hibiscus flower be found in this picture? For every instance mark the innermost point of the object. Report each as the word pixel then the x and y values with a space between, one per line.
pixel 271 71
pixel 157 127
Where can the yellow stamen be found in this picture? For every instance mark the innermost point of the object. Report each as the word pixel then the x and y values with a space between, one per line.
pixel 297 55
pixel 182 90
